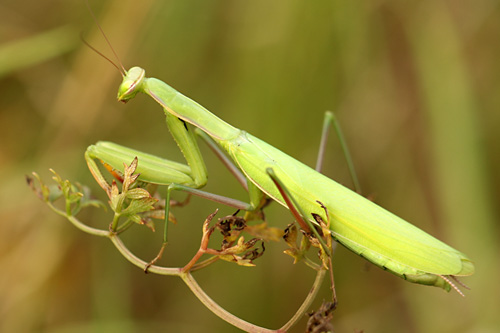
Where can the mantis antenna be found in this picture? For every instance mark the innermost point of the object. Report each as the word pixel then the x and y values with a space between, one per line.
pixel 120 68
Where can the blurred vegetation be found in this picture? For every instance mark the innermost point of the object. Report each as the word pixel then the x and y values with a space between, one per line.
pixel 415 86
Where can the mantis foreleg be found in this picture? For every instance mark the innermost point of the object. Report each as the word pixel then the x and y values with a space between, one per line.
pixel 185 177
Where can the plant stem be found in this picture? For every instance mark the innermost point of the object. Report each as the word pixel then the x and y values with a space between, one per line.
pixel 219 311
pixel 141 263
pixel 307 302
pixel 78 224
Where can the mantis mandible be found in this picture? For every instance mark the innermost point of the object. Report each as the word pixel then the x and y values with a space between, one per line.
pixel 355 222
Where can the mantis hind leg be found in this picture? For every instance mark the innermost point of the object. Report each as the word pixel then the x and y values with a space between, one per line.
pixel 320 229
pixel 329 120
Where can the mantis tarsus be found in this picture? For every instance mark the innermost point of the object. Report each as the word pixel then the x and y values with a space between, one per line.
pixel 355 222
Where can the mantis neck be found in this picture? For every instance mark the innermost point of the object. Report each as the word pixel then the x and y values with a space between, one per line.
pixel 175 103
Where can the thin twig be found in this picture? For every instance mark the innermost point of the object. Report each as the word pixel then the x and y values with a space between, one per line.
pixel 219 311
pixel 307 302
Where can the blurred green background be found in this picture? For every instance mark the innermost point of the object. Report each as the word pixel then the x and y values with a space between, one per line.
pixel 416 88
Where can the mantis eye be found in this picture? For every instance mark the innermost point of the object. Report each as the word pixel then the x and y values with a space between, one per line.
pixel 131 84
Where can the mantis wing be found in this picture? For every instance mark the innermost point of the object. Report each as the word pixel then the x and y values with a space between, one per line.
pixel 357 223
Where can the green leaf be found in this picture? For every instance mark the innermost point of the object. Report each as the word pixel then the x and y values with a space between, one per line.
pixel 139 206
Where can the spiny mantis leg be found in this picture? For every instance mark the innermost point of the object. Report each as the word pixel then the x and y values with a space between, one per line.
pixel 160 171
pixel 329 120
pixel 94 169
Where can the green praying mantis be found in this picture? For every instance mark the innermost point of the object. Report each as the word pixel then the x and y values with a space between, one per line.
pixel 355 222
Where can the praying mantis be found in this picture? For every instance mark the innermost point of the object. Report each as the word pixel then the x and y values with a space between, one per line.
pixel 355 222
pixel 264 171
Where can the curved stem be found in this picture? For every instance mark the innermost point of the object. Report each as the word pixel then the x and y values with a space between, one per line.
pixel 218 310
pixel 139 262
pixel 307 302
pixel 78 224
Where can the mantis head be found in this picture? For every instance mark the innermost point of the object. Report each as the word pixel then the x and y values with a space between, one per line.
pixel 131 84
